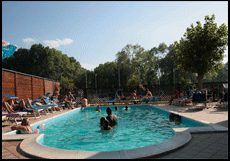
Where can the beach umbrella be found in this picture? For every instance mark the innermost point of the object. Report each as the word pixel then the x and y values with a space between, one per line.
pixel 7 49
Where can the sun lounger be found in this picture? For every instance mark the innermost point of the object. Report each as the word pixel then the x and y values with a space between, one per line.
pixel 60 104
pixel 101 98
pixel 199 98
pixel 40 97
pixel 14 115
pixel 154 98
pixel 112 97
pixel 35 112
pixel 10 96
pixel 182 101
pixel 53 106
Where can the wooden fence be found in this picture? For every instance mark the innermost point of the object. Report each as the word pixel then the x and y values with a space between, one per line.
pixel 26 86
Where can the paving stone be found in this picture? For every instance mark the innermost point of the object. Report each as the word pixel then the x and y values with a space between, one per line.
pixel 216 156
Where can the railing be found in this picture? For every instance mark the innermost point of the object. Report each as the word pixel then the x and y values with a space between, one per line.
pixel 100 95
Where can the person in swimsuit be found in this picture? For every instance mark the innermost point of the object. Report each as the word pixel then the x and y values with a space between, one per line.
pixel 22 104
pixel 133 95
pixel 84 103
pixel 104 124
pixel 148 94
pixel 176 95
pixel 71 97
pixel 66 101
pixel 12 107
pixel 126 108
pixel 111 117
pixel 24 128
pixel 98 109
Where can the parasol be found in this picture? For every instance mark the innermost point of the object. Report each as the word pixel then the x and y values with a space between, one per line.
pixel 7 49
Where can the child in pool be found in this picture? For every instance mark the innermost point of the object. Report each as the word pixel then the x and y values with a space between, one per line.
pixel 104 124
pixel 98 109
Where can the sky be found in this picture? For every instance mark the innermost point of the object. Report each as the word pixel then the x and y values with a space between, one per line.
pixel 93 32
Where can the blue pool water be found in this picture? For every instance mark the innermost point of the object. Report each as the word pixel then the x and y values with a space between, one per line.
pixel 141 126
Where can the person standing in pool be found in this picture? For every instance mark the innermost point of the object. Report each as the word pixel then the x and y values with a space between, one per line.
pixel 111 117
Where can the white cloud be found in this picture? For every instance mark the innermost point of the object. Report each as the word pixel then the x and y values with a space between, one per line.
pixel 57 43
pixel 88 66
pixel 28 40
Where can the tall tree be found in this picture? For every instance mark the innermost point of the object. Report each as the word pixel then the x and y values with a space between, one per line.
pixel 202 48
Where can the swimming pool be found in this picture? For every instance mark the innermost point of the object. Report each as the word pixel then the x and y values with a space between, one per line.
pixel 141 126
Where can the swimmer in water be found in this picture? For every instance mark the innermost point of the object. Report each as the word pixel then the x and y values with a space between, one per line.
pixel 98 109
pixel 126 108
pixel 177 119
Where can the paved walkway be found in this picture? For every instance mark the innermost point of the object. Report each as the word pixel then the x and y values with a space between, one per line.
pixel 202 146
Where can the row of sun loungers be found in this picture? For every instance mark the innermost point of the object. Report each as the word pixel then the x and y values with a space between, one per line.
pixel 35 111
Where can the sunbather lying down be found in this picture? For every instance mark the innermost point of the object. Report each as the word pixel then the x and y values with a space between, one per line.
pixel 11 106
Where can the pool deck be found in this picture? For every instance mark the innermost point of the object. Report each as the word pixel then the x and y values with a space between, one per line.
pixel 208 145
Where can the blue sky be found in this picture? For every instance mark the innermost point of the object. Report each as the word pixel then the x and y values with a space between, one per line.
pixel 94 31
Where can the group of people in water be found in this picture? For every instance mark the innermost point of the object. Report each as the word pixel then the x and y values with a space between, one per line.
pixel 107 123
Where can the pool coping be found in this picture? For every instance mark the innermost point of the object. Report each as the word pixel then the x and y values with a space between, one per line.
pixel 31 148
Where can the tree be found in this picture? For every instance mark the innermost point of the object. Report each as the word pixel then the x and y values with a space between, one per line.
pixel 202 48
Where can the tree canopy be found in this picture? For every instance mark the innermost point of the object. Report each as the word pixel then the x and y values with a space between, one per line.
pixel 202 48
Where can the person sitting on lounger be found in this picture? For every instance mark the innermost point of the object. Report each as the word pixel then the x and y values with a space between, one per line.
pixel 24 128
pixel 176 95
pixel 71 97
pixel 133 95
pixel 66 101
pixel 122 97
pixel 148 94
pixel 43 101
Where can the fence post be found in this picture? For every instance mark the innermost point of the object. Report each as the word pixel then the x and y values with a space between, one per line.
pixel 218 92
pixel 32 89
pixel 85 93
pixel 44 90
pixel 15 83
